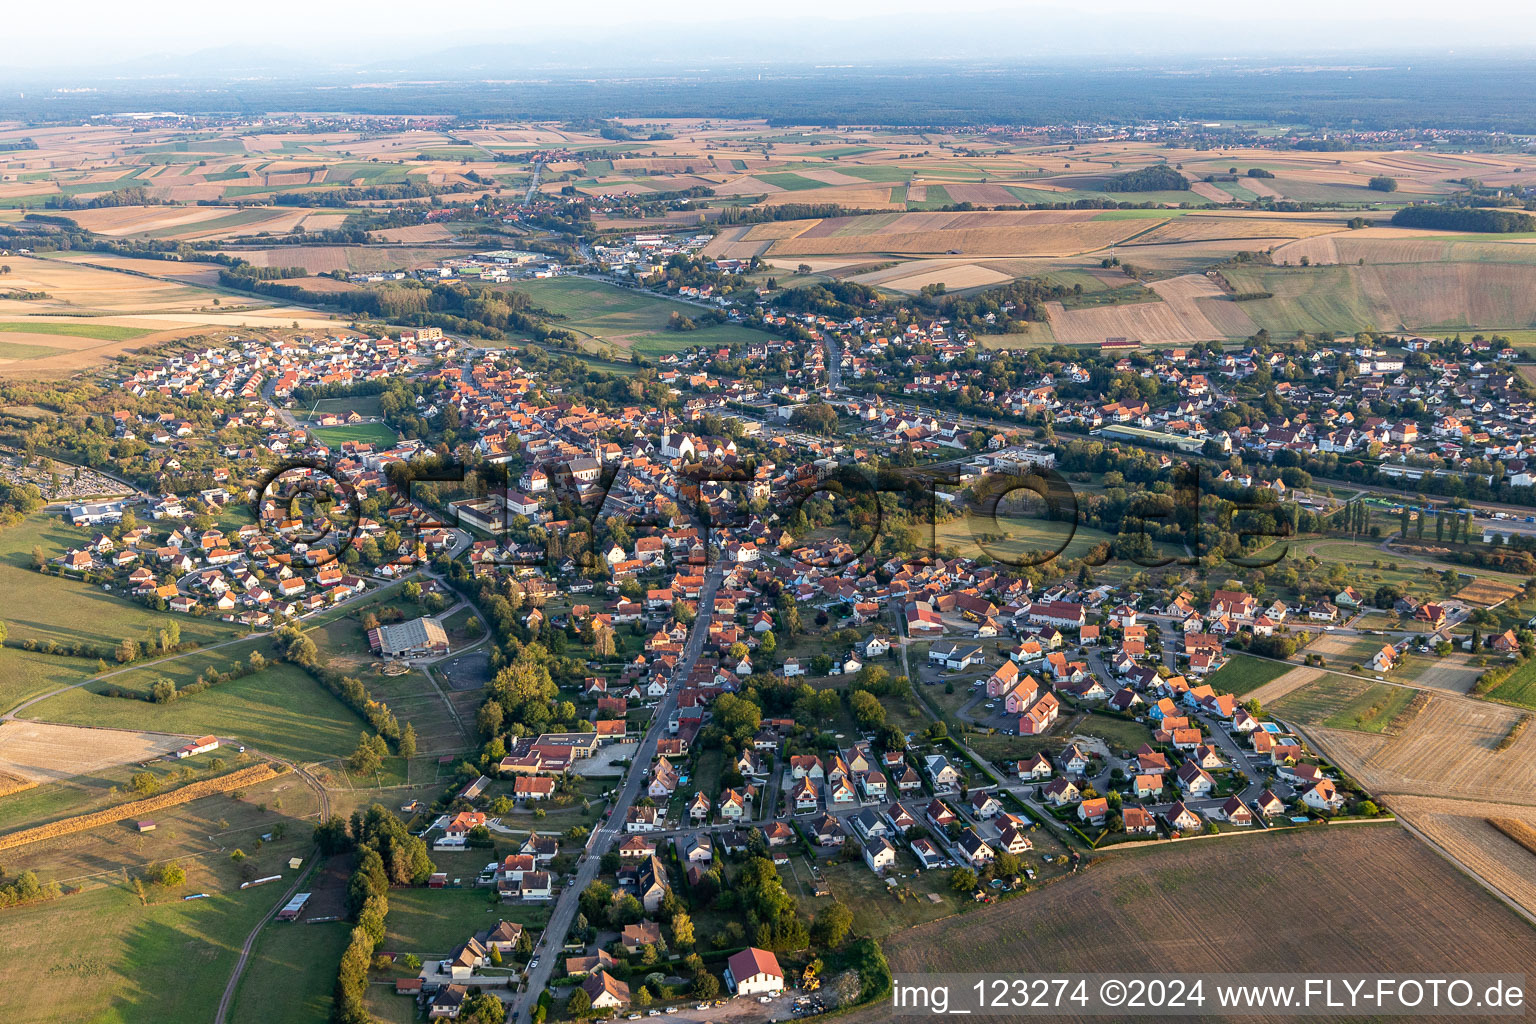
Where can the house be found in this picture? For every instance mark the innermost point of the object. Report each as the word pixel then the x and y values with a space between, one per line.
pixel 1074 759
pixel 975 850
pixel 879 854
pixel 636 936
pixel 1194 780
pixel 1268 804
pixel 447 1002
pixel 1181 818
pixel 1060 792
pixel 985 805
pixel 1093 811
pixel 1384 659
pixel 753 972
pixel 1033 769
pixel 941 773
pixel 1137 821
pixel 1039 718
pixel 1235 811
pixel 605 991
pixel 1322 796
pixel 1148 786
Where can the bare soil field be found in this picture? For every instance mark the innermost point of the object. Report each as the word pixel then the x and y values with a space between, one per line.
pixel 1449 750
pixel 48 753
pixel 1180 317
pixel 1353 898
pixel 1461 828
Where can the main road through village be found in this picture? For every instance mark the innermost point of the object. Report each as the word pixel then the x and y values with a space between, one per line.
pixel 603 836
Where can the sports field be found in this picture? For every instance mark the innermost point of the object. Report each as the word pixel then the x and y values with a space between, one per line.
pixel 620 320
pixel 379 434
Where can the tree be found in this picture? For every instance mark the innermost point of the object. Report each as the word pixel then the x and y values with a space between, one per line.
pixel 832 925
pixel 579 1003
pixel 483 1008
pixel 706 985
pixel 143 783
pixel 962 879
pixel 407 741
pixel 170 875
pixel 682 930
pixel 641 997
pixel 1382 183
pixel 365 760
pixel 867 709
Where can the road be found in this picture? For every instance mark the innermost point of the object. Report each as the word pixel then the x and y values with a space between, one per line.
pixel 553 939
pixel 533 183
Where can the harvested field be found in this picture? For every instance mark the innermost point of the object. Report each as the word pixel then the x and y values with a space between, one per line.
pixel 1195 227
pixel 74 288
pixel 954 276
pixel 14 784
pixel 1485 837
pixel 1179 318
pixel 1295 679
pixel 47 753
pixel 1451 750
pixel 1353 898
pixel 997 233
pixel 1206 190
pixel 1487 593
pixel 254 775
pixel 417 233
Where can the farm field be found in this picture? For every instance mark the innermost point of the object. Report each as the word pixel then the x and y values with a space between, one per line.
pixel 1450 749
pixel 1354 898
pixel 1461 828
pixel 1411 296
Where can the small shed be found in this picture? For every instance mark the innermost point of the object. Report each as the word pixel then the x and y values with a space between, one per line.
pixel 144 826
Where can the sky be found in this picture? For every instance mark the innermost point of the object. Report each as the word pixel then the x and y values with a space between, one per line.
pixel 101 35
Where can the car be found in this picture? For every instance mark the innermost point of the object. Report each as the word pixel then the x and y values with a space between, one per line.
pixel 671 1009
pixel 633 1016
pixel 701 1006
pixel 533 963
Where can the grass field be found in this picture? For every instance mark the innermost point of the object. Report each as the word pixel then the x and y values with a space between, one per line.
pixel 1520 687
pixel 369 433
pixel 291 974
pixel 280 710
pixel 1023 539
pixel 1373 710
pixel 1352 899
pixel 101 332
pixel 25 674
pixel 431 922
pixel 1243 674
